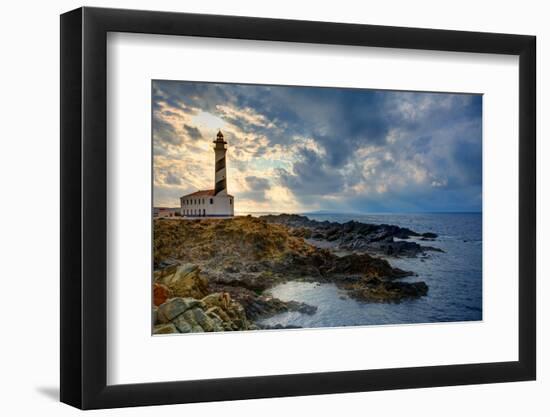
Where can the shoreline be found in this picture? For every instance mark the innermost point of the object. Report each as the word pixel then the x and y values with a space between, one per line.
pixel 214 274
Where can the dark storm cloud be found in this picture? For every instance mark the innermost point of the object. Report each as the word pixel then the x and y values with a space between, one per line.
pixel 312 175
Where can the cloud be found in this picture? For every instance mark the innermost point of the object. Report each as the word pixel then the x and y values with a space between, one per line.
pixel 165 132
pixel 256 189
pixel 172 179
pixel 301 148
pixel 193 132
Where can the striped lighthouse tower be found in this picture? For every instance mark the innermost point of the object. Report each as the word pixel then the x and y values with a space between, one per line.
pixel 220 148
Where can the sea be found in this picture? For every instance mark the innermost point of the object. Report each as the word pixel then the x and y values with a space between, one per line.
pixel 454 278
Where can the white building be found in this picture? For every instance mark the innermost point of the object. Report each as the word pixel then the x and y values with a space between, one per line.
pixel 214 202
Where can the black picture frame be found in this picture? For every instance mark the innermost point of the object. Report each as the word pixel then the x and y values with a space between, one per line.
pixel 84 207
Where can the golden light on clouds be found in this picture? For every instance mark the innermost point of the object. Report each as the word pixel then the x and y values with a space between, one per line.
pixel 208 121
pixel 186 162
pixel 298 149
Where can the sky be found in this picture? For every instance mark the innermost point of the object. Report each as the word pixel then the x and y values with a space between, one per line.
pixel 303 149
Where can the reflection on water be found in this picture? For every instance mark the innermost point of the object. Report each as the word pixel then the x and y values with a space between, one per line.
pixel 454 278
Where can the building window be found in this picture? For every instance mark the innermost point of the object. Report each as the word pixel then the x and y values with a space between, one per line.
pixel 230 201
pixel 211 201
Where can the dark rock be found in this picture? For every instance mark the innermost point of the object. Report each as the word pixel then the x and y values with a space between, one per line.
pixel 400 248
pixel 261 306
pixel 251 281
pixel 278 327
pixel 364 264
pixel 377 290
pixel 357 236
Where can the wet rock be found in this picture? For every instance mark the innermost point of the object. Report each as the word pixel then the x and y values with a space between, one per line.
pixel 278 326
pixel 401 248
pixel 301 307
pixel 364 264
pixel 259 307
pixel 379 290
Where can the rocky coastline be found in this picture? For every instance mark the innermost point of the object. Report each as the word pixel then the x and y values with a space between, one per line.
pixel 215 274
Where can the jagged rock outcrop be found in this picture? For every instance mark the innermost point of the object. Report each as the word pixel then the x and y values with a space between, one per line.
pixel 214 313
pixel 223 308
pixel 213 274
pixel 381 290
pixel 356 236
pixel 247 252
pixel 184 281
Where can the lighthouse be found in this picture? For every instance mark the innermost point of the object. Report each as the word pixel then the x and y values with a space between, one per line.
pixel 216 202
pixel 220 178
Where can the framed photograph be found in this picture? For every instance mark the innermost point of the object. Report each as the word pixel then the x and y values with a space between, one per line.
pixel 257 208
